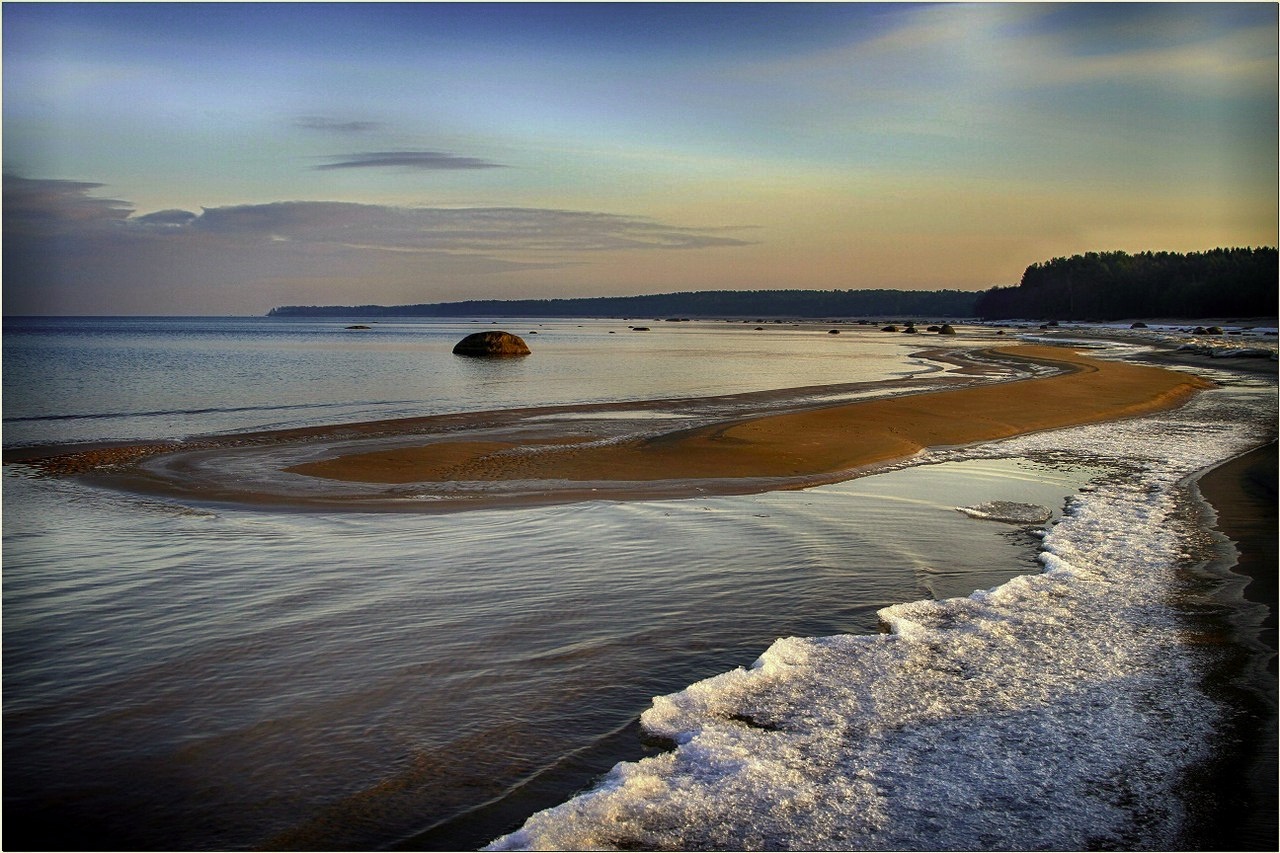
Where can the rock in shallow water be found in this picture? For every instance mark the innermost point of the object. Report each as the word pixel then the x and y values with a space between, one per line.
pixel 491 344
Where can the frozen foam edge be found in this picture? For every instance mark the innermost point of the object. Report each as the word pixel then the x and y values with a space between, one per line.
pixel 1054 711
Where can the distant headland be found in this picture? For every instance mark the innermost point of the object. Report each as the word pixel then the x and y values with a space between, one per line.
pixel 1093 286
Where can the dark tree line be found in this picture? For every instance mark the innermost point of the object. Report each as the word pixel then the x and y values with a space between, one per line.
pixel 703 303
pixel 1117 285
pixel 1092 286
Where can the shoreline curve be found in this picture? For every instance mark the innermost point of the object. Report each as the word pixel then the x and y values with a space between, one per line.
pixel 448 463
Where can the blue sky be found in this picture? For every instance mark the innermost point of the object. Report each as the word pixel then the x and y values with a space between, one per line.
pixel 224 158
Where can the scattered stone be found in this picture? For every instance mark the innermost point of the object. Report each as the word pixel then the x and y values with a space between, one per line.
pixel 947 329
pixel 889 329
pixel 358 327
pixel 752 723
pixel 1138 326
pixel 491 345
pixel 638 328
pixel 1213 330
pixel 834 332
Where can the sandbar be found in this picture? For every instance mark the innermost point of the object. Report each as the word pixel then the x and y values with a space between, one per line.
pixel 816 442
pixel 765 442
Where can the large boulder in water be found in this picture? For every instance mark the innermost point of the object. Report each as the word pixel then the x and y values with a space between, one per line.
pixel 491 344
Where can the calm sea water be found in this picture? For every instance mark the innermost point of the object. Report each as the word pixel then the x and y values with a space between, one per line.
pixel 177 678
pixel 90 379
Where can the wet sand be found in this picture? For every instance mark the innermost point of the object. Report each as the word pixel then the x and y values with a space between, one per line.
pixel 1243 492
pixel 1243 780
pixel 564 454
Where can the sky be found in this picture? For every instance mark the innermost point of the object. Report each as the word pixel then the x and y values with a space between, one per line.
pixel 225 158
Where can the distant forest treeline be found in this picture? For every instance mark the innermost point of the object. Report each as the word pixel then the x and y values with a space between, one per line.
pixel 1093 286
pixel 1116 285
pixel 702 303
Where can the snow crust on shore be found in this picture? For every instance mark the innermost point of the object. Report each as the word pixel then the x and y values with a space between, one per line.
pixel 1058 710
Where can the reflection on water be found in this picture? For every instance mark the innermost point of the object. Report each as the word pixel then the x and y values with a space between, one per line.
pixel 180 680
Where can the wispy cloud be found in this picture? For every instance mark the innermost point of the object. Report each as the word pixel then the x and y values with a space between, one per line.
pixel 490 229
pixel 48 207
pixel 425 160
pixel 1017 46
pixel 335 125
pixel 53 206
pixel 65 250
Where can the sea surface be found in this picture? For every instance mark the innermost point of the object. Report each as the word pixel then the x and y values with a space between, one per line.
pixel 189 677
pixel 92 379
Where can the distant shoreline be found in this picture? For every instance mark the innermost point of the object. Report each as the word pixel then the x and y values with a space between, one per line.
pixel 676 307
pixel 1102 286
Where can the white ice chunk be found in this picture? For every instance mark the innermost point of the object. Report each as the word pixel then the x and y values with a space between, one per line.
pixel 1008 511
